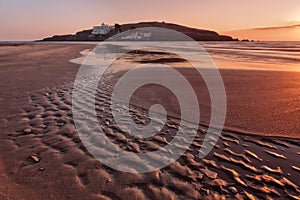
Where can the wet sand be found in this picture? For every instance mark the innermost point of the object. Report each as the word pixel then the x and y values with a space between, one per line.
pixel 259 102
pixel 42 156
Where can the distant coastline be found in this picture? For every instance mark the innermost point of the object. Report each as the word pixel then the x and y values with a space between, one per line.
pixel 103 32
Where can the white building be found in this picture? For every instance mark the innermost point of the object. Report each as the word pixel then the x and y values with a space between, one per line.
pixel 147 35
pixel 137 36
pixel 132 36
pixel 102 30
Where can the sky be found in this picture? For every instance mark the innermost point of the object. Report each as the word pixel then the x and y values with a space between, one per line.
pixel 255 19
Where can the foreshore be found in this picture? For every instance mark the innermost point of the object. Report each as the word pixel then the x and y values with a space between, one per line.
pixel 41 152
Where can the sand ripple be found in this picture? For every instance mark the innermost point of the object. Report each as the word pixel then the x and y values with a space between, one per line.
pixel 240 166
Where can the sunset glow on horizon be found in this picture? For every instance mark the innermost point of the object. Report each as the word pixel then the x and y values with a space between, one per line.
pixel 35 19
pixel 283 33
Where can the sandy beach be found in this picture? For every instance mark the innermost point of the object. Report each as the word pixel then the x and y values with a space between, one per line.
pixel 42 157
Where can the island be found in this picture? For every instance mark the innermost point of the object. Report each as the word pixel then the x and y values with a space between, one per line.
pixel 104 32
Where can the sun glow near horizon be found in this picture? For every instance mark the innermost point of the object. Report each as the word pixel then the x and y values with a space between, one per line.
pixel 284 33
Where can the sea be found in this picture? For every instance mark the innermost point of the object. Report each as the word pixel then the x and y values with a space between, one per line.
pixel 281 56
pixel 274 56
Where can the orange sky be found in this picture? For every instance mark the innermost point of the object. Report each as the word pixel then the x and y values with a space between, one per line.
pixel 35 19
pixel 282 33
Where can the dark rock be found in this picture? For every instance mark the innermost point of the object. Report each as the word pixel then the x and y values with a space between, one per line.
pixel 28 130
pixel 35 158
pixel 233 190
pixel 42 169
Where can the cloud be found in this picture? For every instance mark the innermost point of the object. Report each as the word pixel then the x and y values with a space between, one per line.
pixel 278 27
pixel 275 33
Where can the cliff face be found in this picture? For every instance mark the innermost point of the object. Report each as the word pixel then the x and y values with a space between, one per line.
pixel 196 34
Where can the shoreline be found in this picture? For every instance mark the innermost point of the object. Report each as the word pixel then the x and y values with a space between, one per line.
pixel 230 76
pixel 242 78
